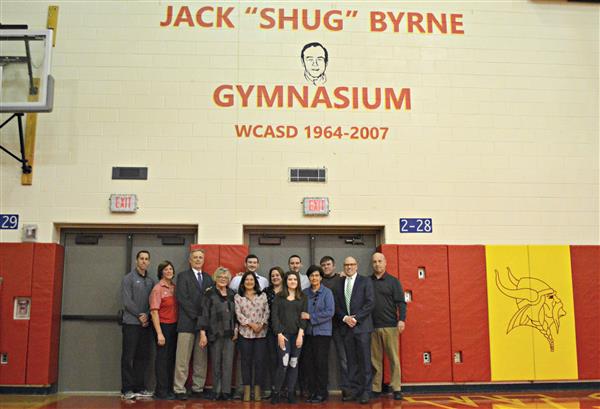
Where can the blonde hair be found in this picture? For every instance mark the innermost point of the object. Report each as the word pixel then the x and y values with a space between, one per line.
pixel 220 272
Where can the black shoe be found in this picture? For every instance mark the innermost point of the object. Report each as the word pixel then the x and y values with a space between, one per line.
pixel 226 396
pixel 181 396
pixel 397 395
pixel 348 396
pixel 375 395
pixel 364 398
pixel 274 398
pixel 197 395
pixel 317 399
pixel 170 396
pixel 292 398
pixel 210 396
pixel 310 398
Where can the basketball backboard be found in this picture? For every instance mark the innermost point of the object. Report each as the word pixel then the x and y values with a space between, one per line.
pixel 25 55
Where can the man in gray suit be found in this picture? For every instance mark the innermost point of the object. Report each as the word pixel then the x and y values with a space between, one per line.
pixel 190 288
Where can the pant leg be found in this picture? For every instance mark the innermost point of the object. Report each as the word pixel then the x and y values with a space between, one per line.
pixel 271 359
pixel 130 341
pixel 321 354
pixel 293 368
pixel 283 360
pixel 350 344
pixel 310 365
pixel 303 370
pixel 258 357
pixel 245 347
pixel 363 343
pixel 342 361
pixel 377 358
pixel 142 357
pixel 170 333
pixel 216 360
pixel 390 344
pixel 161 364
pixel 146 354
pixel 183 353
pixel 199 366
pixel 227 364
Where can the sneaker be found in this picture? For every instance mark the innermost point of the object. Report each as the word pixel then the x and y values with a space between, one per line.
pixel 143 394
pixel 129 395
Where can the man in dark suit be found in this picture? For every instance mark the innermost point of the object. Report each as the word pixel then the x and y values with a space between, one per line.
pixel 354 303
pixel 189 291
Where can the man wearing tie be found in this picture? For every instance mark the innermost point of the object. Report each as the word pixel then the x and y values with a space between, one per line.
pixel 190 288
pixel 354 303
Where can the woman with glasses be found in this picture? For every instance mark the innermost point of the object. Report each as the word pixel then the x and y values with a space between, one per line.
pixel 289 326
pixel 321 308
pixel 218 330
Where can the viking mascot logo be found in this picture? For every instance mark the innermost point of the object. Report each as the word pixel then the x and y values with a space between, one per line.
pixel 538 305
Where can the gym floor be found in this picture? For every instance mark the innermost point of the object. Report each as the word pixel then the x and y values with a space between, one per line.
pixel 538 400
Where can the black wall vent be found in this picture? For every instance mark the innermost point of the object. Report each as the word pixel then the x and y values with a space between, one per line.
pixel 119 172
pixel 308 175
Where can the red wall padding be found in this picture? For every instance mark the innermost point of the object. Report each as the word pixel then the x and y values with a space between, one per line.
pixel 16 265
pixel 211 256
pixel 585 267
pixel 428 316
pixel 233 256
pixel 469 313
pixel 44 329
pixel 230 256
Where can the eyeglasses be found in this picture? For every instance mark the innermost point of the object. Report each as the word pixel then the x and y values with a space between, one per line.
pixel 350 265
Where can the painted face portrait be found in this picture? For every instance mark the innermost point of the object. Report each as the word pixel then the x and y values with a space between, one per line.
pixel 314 60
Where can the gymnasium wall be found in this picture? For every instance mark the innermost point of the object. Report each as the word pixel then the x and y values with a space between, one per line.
pixel 491 123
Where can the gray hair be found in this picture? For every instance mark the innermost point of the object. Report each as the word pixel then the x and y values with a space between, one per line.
pixel 222 271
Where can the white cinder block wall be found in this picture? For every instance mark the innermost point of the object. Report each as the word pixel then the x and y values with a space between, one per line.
pixel 501 143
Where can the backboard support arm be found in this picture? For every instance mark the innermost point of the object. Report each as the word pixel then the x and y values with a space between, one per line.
pixel 25 167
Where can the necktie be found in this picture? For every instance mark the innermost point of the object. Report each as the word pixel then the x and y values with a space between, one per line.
pixel 348 293
pixel 200 278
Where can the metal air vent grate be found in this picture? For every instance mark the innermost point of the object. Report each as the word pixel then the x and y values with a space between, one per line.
pixel 308 175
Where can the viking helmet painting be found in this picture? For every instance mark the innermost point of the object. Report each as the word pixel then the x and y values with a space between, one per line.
pixel 538 305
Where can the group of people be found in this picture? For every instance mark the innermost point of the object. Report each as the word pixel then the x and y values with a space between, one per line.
pixel 281 327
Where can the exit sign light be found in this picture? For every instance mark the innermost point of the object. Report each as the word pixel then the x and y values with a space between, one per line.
pixel 316 206
pixel 123 203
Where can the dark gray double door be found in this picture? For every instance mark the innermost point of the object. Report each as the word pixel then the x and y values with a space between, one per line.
pixel 274 249
pixel 95 262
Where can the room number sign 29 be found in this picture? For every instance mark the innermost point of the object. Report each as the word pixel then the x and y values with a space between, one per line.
pixel 9 221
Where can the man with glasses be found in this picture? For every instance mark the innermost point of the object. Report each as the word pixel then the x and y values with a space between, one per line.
pixel 354 303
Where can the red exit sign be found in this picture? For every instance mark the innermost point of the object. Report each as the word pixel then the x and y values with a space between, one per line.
pixel 123 203
pixel 316 206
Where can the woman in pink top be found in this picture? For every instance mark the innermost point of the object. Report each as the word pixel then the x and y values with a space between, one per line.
pixel 252 311
pixel 163 309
